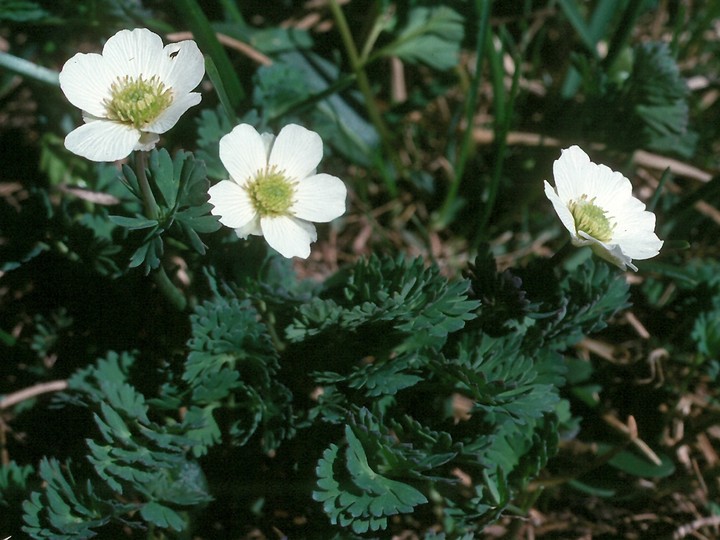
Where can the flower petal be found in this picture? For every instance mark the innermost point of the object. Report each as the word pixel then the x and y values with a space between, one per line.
pixel 182 66
pixel 566 171
pixel 252 227
pixel 134 53
pixel 319 198
pixel 231 203
pixel 102 140
pixel 86 83
pixel 610 252
pixel 561 210
pixel 288 236
pixel 147 141
pixel 169 117
pixel 242 151
pixel 297 151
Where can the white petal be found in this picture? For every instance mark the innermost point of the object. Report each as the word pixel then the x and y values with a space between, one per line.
pixel 319 198
pixel 640 243
pixel 612 253
pixel 242 151
pixel 181 66
pixel 231 203
pixel 290 237
pixel 252 227
pixel 86 83
pixel 102 140
pixel 641 248
pixel 607 187
pixel 169 117
pixel 567 173
pixel 147 141
pixel 134 53
pixel 561 210
pixel 297 151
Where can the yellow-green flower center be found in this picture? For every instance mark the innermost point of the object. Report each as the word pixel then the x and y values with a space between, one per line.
pixel 591 219
pixel 271 192
pixel 137 101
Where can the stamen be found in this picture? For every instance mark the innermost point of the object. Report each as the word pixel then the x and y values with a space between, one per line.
pixel 271 192
pixel 137 101
pixel 591 219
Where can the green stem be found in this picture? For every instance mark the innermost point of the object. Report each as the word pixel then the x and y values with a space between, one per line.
pixel 503 118
pixel 206 39
pixel 560 254
pixel 377 28
pixel 233 13
pixel 169 291
pixel 357 66
pixel 624 32
pixel 166 287
pixel 151 207
pixel 483 11
pixel 652 203
pixel 29 69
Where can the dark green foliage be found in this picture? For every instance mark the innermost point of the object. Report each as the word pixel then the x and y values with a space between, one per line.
pixel 233 364
pixel 366 498
pixel 501 293
pixel 15 483
pixel 386 399
pixel 428 35
pixel 579 303
pixel 502 438
pixel 405 297
pixel 65 509
pixel 659 94
pixel 278 87
pixel 212 125
pixel 137 459
pixel 21 11
pixel 706 334
pixel 181 193
pixel 650 101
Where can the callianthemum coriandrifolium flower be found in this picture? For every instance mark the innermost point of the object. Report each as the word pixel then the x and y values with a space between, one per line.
pixel 597 207
pixel 131 93
pixel 274 189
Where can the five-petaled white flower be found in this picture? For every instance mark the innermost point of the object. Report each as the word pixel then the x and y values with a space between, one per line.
pixel 597 207
pixel 129 94
pixel 274 189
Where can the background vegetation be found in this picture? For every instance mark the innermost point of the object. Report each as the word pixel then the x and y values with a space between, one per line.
pixel 431 371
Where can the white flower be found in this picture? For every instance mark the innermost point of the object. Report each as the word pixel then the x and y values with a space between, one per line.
pixel 596 205
pixel 273 188
pixel 129 94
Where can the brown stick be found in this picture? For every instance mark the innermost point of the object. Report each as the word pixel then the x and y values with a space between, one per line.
pixel 31 392
pixel 231 42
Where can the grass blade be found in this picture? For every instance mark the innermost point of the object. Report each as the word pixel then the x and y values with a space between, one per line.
pixel 209 44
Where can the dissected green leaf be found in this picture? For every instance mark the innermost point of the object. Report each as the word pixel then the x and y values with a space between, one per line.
pixel 368 498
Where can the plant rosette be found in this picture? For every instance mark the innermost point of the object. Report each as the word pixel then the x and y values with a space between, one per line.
pixel 131 93
pixel 596 206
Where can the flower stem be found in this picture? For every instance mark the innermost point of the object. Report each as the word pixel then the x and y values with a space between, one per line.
pixel 357 65
pixel 561 253
pixel 166 287
pixel 151 207
pixel 170 291
pixel 624 32
pixel 483 13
